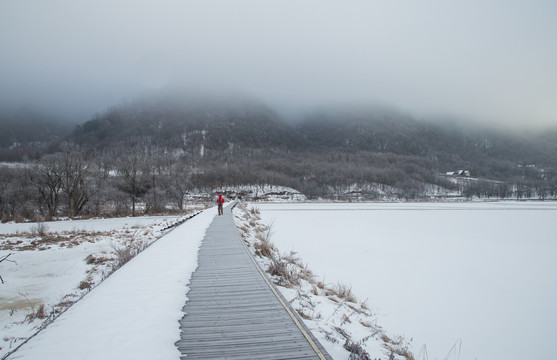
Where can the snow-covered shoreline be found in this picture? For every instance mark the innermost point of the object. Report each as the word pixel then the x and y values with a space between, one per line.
pixel 355 316
pixel 344 324
pixel 437 272
pixel 133 313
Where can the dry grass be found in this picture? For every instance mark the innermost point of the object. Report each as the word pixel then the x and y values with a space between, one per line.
pixel 291 258
pixel 303 315
pixel 40 313
pixel 64 304
pixel 93 259
pixel 289 271
pixel 344 291
pixel 48 240
pixel 356 349
pixel 255 213
pixel 125 252
pixel 397 346
pixel 366 324
pixel 307 274
pixel 287 276
pixel 39 229
pixel 264 248
pixel 85 285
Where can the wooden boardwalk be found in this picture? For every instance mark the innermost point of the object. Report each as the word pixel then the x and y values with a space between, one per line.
pixel 233 311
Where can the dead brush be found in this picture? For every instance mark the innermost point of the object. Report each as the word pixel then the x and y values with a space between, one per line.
pixel 366 323
pixel 255 213
pixel 286 277
pixel 329 292
pixel 85 285
pixel 39 229
pixel 307 274
pixel 93 259
pixel 303 315
pixel 398 348
pixel 40 313
pixel 356 349
pixel 125 252
pixel 303 271
pixel 291 258
pixel 344 291
pixel 264 248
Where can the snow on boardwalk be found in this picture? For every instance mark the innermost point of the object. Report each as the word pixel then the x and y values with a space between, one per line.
pixel 134 313
pixel 233 312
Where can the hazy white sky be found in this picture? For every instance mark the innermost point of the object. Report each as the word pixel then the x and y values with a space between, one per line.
pixel 493 60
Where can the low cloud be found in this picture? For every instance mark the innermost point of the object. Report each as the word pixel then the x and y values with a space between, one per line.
pixel 487 60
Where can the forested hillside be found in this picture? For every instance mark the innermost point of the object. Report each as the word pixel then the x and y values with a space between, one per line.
pixel 26 135
pixel 177 123
pixel 151 154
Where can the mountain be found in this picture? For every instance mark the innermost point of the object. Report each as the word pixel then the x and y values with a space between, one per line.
pixel 450 145
pixel 27 134
pixel 235 140
pixel 187 124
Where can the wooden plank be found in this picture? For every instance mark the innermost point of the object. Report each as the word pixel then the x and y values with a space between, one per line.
pixel 232 312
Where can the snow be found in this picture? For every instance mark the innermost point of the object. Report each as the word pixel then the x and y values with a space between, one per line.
pixel 87 225
pixel 482 273
pixel 134 313
pixel 345 326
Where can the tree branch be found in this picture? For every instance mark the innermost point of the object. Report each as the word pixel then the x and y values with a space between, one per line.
pixel 5 258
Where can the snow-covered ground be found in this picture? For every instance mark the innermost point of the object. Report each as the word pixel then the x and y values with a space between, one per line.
pixel 344 325
pixel 134 312
pixel 482 273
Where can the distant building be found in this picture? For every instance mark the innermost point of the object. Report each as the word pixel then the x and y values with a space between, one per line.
pixel 460 173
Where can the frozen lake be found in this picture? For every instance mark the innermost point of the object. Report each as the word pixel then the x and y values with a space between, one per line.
pixel 485 273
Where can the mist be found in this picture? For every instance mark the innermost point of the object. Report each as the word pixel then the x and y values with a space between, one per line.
pixel 490 61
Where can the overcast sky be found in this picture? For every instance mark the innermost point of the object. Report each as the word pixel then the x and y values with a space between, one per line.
pixel 491 60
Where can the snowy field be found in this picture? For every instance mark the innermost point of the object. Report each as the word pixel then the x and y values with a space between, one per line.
pixel 134 312
pixel 480 273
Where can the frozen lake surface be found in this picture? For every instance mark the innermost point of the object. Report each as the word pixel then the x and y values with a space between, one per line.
pixel 485 273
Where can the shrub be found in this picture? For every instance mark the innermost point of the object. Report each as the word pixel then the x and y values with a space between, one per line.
pixel 344 291
pixel 39 228
pixel 92 259
pixel 126 252
pixel 264 248
pixel 287 277
pixel 40 313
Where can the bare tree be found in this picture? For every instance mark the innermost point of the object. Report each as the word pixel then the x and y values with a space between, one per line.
pixel 76 175
pixel 180 182
pixel 46 177
pixel 134 172
pixel 15 194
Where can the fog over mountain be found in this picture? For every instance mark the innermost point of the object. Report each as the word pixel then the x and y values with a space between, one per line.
pixel 491 61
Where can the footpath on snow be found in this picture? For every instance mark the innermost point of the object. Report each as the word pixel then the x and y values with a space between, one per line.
pixel 134 313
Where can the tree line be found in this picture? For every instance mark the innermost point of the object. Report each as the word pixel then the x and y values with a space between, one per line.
pixel 147 179
pixel 149 155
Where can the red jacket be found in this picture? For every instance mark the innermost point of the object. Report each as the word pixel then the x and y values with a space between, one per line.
pixel 220 200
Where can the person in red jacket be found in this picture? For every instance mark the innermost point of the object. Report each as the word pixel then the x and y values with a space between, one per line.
pixel 220 201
